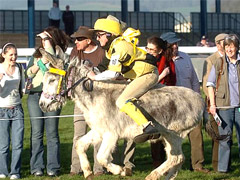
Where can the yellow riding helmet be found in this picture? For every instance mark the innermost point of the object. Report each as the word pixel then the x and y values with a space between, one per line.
pixel 109 26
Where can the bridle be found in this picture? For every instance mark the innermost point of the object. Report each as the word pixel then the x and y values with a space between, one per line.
pixel 58 95
pixel 62 92
pixel 59 72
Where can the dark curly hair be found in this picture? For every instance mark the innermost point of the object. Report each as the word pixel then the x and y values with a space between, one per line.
pixel 161 44
pixel 158 42
pixel 59 38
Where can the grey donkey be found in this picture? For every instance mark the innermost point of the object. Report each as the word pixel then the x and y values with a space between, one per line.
pixel 175 112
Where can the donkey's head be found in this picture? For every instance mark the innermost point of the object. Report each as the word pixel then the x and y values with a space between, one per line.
pixel 53 81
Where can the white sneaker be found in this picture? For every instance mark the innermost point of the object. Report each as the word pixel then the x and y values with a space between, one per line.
pixel 14 176
pixel 2 176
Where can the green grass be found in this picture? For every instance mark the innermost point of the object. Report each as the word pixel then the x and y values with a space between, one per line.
pixel 143 160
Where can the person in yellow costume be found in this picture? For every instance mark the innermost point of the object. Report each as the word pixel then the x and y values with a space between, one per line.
pixel 134 64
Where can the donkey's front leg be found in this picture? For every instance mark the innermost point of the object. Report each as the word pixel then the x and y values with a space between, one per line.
pixel 82 146
pixel 104 157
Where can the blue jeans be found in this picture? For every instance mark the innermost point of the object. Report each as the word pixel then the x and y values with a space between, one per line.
pixel 16 125
pixel 37 133
pixel 228 117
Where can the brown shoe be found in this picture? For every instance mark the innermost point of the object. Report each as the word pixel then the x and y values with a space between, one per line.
pixel 73 173
pixel 99 173
pixel 128 171
pixel 202 170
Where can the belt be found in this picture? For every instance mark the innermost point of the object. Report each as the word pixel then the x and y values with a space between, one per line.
pixel 35 92
pixel 11 107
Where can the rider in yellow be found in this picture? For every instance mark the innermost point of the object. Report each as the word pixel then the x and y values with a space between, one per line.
pixel 133 63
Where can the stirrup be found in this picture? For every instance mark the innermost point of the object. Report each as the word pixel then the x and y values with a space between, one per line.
pixel 144 137
pixel 149 133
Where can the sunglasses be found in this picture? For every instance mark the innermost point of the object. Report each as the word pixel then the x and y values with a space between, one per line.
pixel 150 49
pixel 80 38
pixel 99 35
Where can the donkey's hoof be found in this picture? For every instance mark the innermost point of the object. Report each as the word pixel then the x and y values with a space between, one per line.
pixel 126 172
pixel 90 177
pixel 152 176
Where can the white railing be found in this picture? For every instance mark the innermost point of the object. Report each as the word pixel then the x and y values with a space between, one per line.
pixel 197 54
pixel 27 52
pixel 197 50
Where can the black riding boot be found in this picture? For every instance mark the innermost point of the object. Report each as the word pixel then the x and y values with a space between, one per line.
pixel 149 132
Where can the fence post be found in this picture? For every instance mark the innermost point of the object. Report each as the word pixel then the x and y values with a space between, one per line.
pixel 203 16
pixel 31 24
pixel 218 6
pixel 124 12
pixel 136 6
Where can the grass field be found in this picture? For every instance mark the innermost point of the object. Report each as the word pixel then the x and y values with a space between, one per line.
pixel 143 159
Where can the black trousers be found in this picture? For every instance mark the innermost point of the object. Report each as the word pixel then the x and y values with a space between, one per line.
pixel 55 23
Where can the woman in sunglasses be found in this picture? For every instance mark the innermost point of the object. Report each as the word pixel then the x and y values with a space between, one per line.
pixel 167 75
pixel 37 66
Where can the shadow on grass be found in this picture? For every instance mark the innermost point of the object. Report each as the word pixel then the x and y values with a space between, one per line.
pixel 65 159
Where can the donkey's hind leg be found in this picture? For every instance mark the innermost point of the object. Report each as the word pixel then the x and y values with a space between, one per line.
pixel 82 146
pixel 175 158
pixel 172 174
pixel 105 151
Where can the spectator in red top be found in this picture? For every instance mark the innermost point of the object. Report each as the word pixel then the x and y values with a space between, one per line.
pixel 158 48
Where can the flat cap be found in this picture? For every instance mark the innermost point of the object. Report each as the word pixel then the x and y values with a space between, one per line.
pixel 170 37
pixel 220 37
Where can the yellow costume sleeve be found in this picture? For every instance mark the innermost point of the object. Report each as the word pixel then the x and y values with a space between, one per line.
pixel 121 54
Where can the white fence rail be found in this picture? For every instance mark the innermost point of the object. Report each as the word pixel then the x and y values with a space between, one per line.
pixel 197 54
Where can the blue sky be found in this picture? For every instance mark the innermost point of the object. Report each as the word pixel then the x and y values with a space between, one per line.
pixel 83 4
pixel 184 6
pixel 74 4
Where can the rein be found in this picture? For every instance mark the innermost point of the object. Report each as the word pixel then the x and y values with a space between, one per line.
pixel 73 86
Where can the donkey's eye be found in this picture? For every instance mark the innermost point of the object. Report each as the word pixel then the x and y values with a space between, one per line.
pixel 51 80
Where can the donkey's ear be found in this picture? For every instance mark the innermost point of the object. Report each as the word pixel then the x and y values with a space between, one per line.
pixel 59 51
pixel 50 58
pixel 53 60
pixel 60 54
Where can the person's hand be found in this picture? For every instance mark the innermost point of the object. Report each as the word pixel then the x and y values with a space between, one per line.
pixel 29 86
pixel 44 60
pixel 212 109
pixel 166 71
pixel 44 34
pixel 1 75
pixel 91 75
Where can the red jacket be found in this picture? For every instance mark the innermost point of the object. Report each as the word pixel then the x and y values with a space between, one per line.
pixel 170 79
